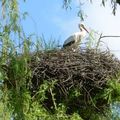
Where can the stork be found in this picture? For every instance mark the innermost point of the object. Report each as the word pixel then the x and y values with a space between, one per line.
pixel 74 40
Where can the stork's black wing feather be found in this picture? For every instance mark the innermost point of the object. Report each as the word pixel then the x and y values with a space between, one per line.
pixel 69 41
pixel 68 44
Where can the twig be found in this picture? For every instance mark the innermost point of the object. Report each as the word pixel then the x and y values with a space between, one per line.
pixel 108 36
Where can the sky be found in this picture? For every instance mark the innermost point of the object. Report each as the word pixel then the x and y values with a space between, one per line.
pixel 50 19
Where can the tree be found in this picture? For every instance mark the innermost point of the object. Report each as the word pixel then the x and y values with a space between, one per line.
pixel 113 3
pixel 118 1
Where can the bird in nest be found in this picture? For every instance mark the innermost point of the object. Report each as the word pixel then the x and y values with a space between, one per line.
pixel 73 41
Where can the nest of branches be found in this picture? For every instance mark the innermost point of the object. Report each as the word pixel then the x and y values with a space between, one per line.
pixel 87 72
pixel 80 77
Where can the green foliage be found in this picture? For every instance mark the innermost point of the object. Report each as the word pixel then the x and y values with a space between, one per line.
pixel 111 93
pixel 118 1
pixel 50 44
pixel 67 4
pixel 91 43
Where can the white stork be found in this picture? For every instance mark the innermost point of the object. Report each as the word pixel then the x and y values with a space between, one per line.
pixel 74 40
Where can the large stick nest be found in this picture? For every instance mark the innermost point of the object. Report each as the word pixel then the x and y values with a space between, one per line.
pixel 87 70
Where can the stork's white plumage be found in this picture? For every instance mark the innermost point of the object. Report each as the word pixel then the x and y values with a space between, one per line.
pixel 74 40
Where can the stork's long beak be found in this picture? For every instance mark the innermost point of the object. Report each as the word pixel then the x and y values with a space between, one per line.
pixel 85 29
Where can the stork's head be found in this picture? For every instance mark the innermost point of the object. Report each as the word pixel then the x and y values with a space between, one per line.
pixel 82 27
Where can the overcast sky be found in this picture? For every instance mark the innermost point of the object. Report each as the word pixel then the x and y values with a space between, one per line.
pixel 50 19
